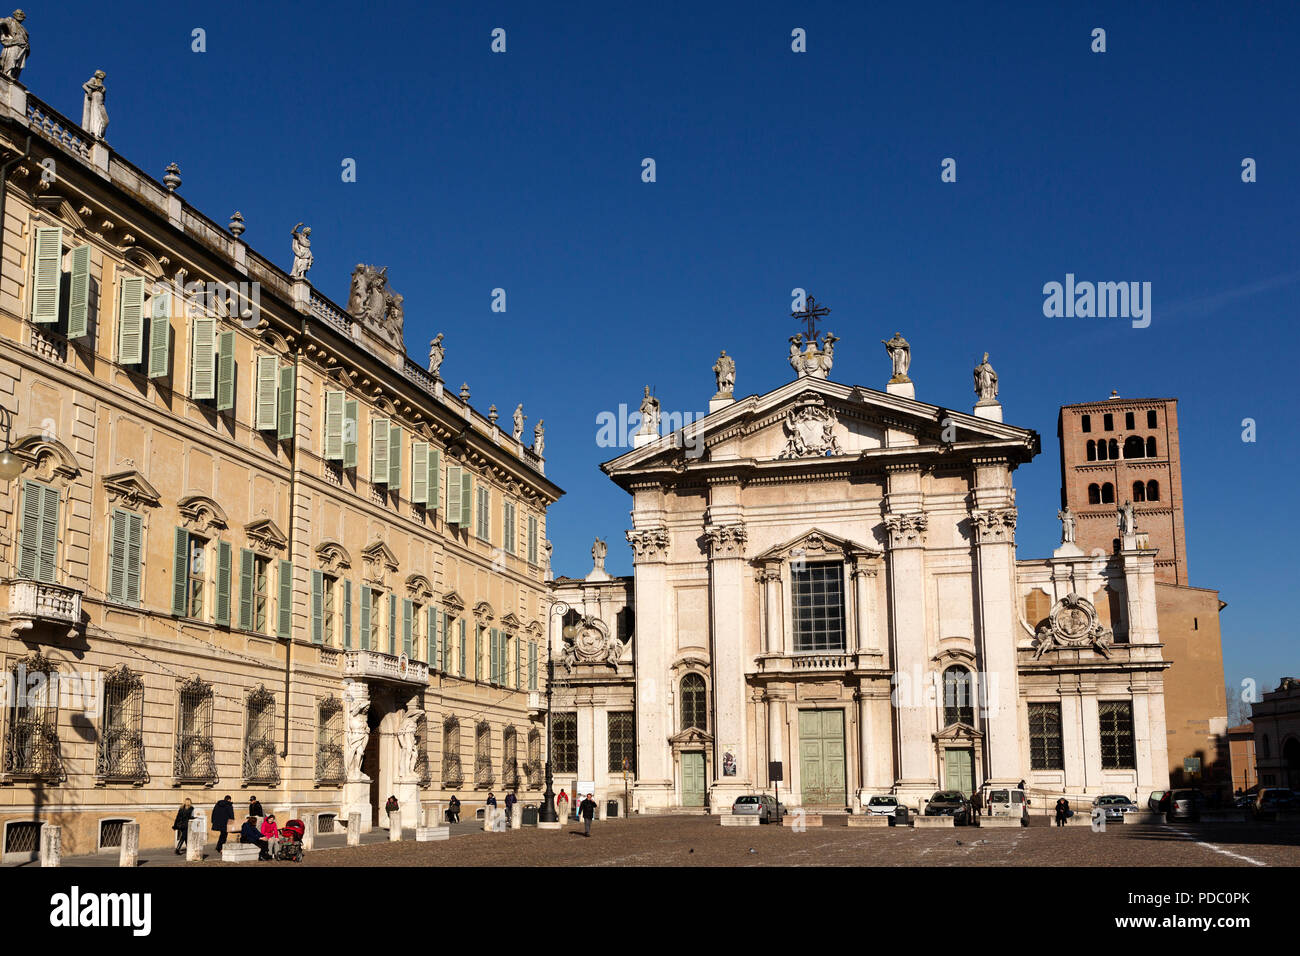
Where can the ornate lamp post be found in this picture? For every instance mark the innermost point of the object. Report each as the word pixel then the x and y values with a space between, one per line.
pixel 548 814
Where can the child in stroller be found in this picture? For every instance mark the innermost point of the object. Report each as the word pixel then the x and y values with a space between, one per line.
pixel 291 841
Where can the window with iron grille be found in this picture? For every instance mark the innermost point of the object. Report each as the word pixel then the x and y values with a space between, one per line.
pixel 484 776
pixel 422 771
pixel 622 742
pixel 110 833
pixel 533 766
pixel 23 836
pixel 1116 735
pixel 958 703
pixel 695 707
pixel 120 754
pixel 510 759
pixel 260 764
pixel 1045 737
pixel 329 741
pixel 818 592
pixel 325 823
pixel 452 773
pixel 32 749
pixel 564 743
pixel 195 755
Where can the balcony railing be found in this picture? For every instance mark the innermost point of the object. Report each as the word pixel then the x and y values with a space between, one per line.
pixel 385 667
pixel 37 602
pixel 804 662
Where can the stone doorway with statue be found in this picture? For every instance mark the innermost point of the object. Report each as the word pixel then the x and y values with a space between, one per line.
pixel 385 751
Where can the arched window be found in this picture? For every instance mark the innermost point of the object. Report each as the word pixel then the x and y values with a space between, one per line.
pixel 958 706
pixel 1151 446
pixel 1108 422
pixel 1094 495
pixel 1101 450
pixel 1113 450
pixel 1153 490
pixel 1151 419
pixel 1108 494
pixel 1128 421
pixel 694 702
pixel 1139 491
pixel 1087 423
pixel 1092 450
pixel 1133 447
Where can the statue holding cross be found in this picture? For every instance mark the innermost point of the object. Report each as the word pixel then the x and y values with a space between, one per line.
pixel 815 360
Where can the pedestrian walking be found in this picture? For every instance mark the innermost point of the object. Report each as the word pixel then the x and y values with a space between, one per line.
pixel 453 810
pixel 511 800
pixel 587 810
pixel 223 813
pixel 182 825
pixel 1062 811
pixel 255 807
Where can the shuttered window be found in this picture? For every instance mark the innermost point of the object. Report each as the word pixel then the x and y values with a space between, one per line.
pixel 453 494
pixel 350 433
pixel 126 535
pixel 226 371
pixel 49 275
pixel 379 436
pixel 532 665
pixel 221 608
pixel 79 293
pixel 333 450
pixel 433 640
pixel 478 652
pixel 39 540
pixel 247 588
pixel 130 320
pixel 408 627
pixel 347 615
pixel 203 359
pixel 284 617
pixel 420 472
pixel 462 649
pixel 160 343
pixel 435 478
pixel 268 374
pixel 317 607
pixel 365 618
pixel 285 403
pixel 532 539
pixel 392 624
pixel 466 497
pixel 508 523
pixel 483 526
pixel 395 458
pixel 494 669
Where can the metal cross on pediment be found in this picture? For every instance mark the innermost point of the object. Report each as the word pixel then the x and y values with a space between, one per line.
pixel 812 314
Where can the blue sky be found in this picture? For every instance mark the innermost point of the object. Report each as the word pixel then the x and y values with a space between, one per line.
pixel 820 170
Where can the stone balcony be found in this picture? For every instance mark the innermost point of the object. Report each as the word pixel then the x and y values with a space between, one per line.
pixel 37 602
pixel 376 666
pixel 828 662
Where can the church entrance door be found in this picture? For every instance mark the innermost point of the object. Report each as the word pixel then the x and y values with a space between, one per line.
pixel 693 779
pixel 959 770
pixel 821 757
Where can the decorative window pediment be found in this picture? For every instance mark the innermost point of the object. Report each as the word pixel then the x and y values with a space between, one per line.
pixel 333 557
pixel 145 261
pixel 131 489
pixel 483 611
pixel 379 562
pixel 958 733
pixel 953 651
pixel 201 513
pixel 690 737
pixel 46 457
pixel 265 536
pixel 690 662
pixel 511 621
pixel 817 545
pixel 453 602
pixel 419 588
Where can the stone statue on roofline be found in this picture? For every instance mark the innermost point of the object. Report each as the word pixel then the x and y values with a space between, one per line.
pixel 371 300
pixel 539 438
pixel 302 257
pixel 94 111
pixel 725 372
pixel 13 36
pixel 900 355
pixel 649 414
pixel 436 354
pixel 986 382
pixel 1068 524
pixel 519 417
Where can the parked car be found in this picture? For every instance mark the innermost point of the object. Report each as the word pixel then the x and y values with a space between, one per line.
pixel 762 805
pixel 1154 801
pixel 882 804
pixel 1181 805
pixel 1116 805
pixel 950 803
pixel 1007 802
pixel 1272 799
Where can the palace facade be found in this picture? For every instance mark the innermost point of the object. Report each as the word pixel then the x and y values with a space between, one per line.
pixel 251 547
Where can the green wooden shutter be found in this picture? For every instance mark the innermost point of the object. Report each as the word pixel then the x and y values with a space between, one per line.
pixel 347 615
pixel 431 635
pixel 395 458
pixel 79 293
pixel 462 647
pixel 392 624
pixel 379 436
pixel 160 344
pixel 226 371
pixel 130 320
pixel 532 539
pixel 466 498
pixel 435 478
pixel 365 618
pixel 223 583
pixel 478 652
pixel 268 371
pixel 453 494
pixel 49 274
pixel 134 558
pixel 203 359
pixel 317 607
pixel 117 557
pixel 247 570
pixel 508 526
pixel 284 619
pixel 350 433
pixel 180 569
pixel 532 665
pixel 46 532
pixel 420 472
pixel 493 662
pixel 519 663
pixel 408 625
pixel 333 425
pixel 286 398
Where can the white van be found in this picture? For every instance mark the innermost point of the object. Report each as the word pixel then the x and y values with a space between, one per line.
pixel 1006 802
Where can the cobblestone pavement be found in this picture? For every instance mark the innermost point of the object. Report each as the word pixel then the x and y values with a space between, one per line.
pixel 702 841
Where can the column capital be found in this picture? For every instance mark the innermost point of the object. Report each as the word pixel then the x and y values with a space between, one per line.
pixel 994 525
pixel 727 541
pixel 906 530
pixel 648 544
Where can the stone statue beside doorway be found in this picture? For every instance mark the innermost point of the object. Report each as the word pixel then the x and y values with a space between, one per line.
pixel 356 735
pixel 408 740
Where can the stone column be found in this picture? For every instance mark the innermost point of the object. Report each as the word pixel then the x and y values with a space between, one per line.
pixel 867 779
pixel 194 842
pixel 354 829
pixel 654 650
pixel 356 791
pixel 774 629
pixel 51 845
pixel 129 854
pixel 309 831
pixel 727 573
pixel 863 578
pixel 776 732
pixel 394 825
pixel 517 816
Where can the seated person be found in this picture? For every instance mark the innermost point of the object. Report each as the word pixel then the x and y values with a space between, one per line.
pixel 272 834
pixel 248 833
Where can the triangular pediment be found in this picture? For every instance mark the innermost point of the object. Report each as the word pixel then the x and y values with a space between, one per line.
pixel 691 736
pixel 816 544
pixel 131 489
pixel 958 731
pixel 811 423
pixel 265 535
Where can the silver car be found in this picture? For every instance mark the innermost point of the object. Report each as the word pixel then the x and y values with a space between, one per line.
pixel 762 805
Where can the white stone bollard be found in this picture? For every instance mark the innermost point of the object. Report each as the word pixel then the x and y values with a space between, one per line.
pixel 602 808
pixel 129 854
pixel 51 845
pixel 308 831
pixel 354 829
pixel 517 816
pixel 394 825
pixel 194 842
pixel 434 814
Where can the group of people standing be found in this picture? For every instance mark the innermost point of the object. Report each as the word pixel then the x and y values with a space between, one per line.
pixel 264 834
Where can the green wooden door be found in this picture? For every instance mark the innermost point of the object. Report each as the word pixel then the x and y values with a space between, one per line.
pixel 959 770
pixel 693 779
pixel 821 757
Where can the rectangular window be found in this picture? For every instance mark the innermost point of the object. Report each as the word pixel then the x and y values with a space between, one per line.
pixel 333 445
pixel 509 527
pixel 195 753
pixel 483 528
pixel 195 577
pixel 818 600
pixel 461 658
pixel 532 665
pixel 39 539
pixel 267 394
pixel 120 754
pixel 532 539
pixel 564 739
pixel 622 742
pixel 130 321
pixel 285 405
pixel 203 359
pixel 379 436
pixel 1116 735
pixel 1045 737
pixel 124 557
pixel 48 279
pixel 225 371
pixel 329 742
pixel 330 586
pixel 261 592
pixel 260 763
pixel 350 433
pixel 478 652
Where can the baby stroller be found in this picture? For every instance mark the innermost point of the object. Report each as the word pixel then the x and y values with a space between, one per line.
pixel 291 841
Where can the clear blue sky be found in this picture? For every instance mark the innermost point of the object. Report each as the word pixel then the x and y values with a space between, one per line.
pixel 775 170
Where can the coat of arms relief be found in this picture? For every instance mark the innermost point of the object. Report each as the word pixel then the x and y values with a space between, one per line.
pixel 809 429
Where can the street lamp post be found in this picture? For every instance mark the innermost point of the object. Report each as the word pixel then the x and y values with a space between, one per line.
pixel 548 814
